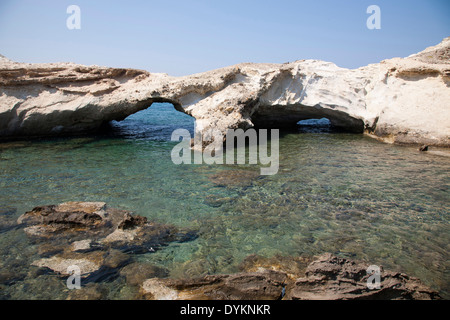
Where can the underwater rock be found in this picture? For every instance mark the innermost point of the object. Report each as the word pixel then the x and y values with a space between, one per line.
pixel 93 226
pixel 92 291
pixel 8 277
pixel 137 272
pixel 88 263
pixel 216 202
pixel 142 239
pixel 292 266
pixel 95 238
pixel 129 222
pixel 7 221
pixel 234 178
pixel 96 266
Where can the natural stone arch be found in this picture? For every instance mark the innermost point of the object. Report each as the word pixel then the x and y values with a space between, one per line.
pixel 397 100
pixel 288 116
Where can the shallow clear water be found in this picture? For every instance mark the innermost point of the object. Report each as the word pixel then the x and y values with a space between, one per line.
pixel 334 192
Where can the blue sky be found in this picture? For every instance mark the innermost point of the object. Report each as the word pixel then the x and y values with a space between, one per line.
pixel 185 37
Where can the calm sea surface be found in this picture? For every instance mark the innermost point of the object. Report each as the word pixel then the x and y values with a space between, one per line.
pixel 335 192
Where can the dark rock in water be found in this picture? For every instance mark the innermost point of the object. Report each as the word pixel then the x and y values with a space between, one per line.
pixel 326 278
pixel 143 239
pixel 349 214
pixel 423 148
pixel 7 221
pixel 216 202
pixel 92 291
pixel 92 265
pixel 186 236
pixel 129 221
pixel 103 274
pixel 8 277
pixel 333 278
pixel 293 266
pixel 93 237
pixel 137 272
pixel 47 250
pixel 70 219
pixel 104 227
pixel 265 285
pixel 234 178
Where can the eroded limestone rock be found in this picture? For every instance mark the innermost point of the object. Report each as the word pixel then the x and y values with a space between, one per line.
pixel 402 100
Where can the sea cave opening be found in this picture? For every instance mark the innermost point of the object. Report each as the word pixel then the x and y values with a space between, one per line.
pixel 156 122
pixel 306 119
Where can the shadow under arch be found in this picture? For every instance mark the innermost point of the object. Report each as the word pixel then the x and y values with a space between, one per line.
pixel 288 117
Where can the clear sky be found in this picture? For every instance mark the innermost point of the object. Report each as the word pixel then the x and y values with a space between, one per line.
pixel 185 37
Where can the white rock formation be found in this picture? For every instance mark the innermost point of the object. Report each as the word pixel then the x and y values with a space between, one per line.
pixel 403 100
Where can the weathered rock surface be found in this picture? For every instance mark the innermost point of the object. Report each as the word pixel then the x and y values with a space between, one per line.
pixel 264 285
pixel 333 278
pixel 326 278
pixel 94 237
pixel 91 225
pixel 137 272
pixel 403 100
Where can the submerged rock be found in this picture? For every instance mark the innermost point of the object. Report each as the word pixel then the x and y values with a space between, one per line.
pixel 101 262
pixel 92 291
pixel 97 239
pixel 137 272
pixel 326 278
pixel 234 178
pixel 292 266
pixel 67 218
pixel 87 264
pixel 7 222
pixel 93 226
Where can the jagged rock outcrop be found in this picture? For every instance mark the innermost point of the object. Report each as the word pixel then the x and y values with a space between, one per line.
pixel 96 238
pixel 402 100
pixel 326 278
pixel 333 278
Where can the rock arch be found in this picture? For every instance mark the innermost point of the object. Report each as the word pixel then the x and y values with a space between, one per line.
pixel 398 100
pixel 288 117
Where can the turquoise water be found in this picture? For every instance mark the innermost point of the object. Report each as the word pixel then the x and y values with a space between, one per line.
pixel 334 192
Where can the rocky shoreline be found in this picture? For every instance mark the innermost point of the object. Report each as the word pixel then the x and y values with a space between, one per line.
pixel 400 100
pixel 326 277
pixel 104 242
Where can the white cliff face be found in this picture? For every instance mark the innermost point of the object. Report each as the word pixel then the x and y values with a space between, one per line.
pixel 398 100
